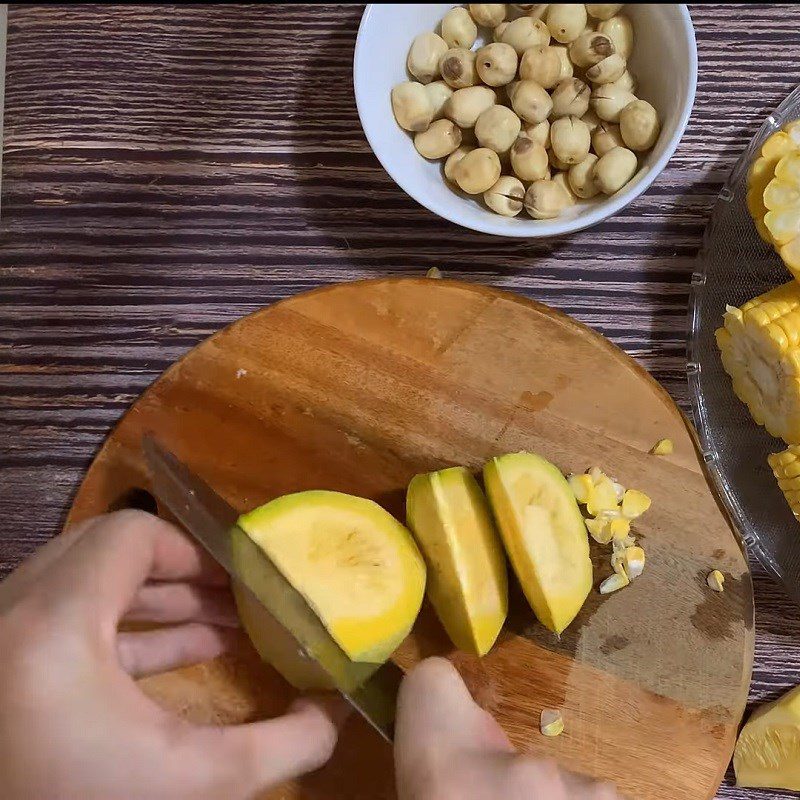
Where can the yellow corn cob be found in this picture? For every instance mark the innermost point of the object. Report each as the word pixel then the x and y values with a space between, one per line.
pixel 782 220
pixel 786 468
pixel 762 171
pixel 760 349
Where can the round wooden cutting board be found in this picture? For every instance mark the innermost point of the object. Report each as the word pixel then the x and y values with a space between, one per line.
pixel 357 388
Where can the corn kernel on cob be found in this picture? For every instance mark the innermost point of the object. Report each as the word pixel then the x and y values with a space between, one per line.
pixel 786 468
pixel 782 220
pixel 762 171
pixel 760 348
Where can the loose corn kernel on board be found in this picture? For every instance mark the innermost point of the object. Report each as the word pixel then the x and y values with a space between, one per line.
pixel 360 386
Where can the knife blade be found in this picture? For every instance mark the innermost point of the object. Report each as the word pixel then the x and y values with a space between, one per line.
pixel 291 626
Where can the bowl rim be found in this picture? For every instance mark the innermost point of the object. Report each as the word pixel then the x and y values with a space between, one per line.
pixel 537 229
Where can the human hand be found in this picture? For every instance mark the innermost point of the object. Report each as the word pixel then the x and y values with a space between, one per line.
pixel 73 723
pixel 448 748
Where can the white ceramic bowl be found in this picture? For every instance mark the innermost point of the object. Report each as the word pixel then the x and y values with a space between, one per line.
pixel 664 63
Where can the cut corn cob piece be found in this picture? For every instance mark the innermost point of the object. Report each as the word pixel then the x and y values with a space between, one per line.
pixel 715 580
pixel 786 468
pixel 663 447
pixel 760 349
pixel 551 722
pixel 634 503
pixel 762 171
pixel 782 198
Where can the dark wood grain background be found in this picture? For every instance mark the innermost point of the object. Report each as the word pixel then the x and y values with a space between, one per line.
pixel 169 169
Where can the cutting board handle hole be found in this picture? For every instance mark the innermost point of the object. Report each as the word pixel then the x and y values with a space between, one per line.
pixel 135 497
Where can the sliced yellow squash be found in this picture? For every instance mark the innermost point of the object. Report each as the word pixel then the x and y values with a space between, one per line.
pixel 544 535
pixel 356 565
pixel 467 581
pixel 767 753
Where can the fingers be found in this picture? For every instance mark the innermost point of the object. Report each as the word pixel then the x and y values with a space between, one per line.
pixel 437 723
pixel 183 602
pixel 34 566
pixel 434 702
pixel 149 652
pixel 100 574
pixel 262 754
pixel 177 557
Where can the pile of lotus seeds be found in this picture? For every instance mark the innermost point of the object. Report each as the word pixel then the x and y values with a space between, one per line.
pixel 542 116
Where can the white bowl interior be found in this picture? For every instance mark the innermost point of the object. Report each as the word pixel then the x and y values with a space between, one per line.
pixel 664 64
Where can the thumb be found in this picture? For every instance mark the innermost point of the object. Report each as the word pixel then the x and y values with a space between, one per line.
pixel 437 720
pixel 259 755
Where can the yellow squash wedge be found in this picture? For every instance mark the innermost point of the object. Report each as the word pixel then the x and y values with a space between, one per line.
pixel 767 753
pixel 544 535
pixel 467 581
pixel 356 566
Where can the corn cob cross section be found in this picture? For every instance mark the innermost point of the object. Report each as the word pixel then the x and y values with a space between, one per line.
pixel 786 468
pixel 760 348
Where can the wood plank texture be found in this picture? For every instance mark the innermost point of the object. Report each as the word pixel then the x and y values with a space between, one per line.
pixel 170 168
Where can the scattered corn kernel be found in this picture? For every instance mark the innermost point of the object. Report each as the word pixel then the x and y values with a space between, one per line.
pixel 611 508
pixel 551 722
pixel 619 527
pixel 582 486
pixel 602 498
pixel 621 544
pixel 633 559
pixel 634 504
pixel 433 272
pixel 596 474
pixel 612 583
pixel 663 447
pixel 599 530
pixel 715 580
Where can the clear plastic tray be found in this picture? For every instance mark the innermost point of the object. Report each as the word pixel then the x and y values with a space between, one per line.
pixel 733 266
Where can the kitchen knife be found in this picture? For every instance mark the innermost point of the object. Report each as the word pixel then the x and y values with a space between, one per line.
pixel 292 627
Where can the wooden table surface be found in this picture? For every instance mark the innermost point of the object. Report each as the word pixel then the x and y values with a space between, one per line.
pixel 170 169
